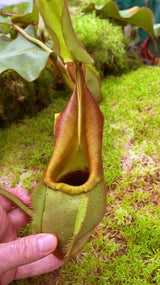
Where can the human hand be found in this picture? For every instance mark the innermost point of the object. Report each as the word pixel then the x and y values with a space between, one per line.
pixel 23 257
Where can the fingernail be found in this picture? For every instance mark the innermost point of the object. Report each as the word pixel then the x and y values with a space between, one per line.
pixel 46 243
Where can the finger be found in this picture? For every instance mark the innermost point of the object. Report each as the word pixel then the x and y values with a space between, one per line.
pixel 44 265
pixel 8 277
pixel 18 218
pixel 4 224
pixel 25 250
pixel 5 203
pixel 20 193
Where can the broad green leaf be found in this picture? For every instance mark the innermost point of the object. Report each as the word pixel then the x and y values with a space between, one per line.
pixel 5 20
pixel 4 38
pixel 56 16
pixel 23 56
pixel 30 16
pixel 127 13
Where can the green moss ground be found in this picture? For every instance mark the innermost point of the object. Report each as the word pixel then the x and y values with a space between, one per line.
pixel 125 246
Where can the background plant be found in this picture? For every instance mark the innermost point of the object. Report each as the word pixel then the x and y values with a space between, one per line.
pixel 19 98
pixel 34 53
pixel 106 42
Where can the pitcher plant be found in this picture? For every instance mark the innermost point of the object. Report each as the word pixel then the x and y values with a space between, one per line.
pixel 70 200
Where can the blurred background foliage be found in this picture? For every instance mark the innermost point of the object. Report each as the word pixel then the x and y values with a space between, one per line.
pixel 105 40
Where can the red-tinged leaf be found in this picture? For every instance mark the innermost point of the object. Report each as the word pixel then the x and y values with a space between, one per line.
pixel 145 52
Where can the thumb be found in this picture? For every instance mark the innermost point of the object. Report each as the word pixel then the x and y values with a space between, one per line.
pixel 25 250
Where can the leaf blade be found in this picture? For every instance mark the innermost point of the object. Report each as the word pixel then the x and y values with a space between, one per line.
pixel 26 58
pixel 61 30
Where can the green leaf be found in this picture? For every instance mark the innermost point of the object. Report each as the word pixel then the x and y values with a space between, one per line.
pixel 5 20
pixel 23 56
pixel 4 38
pixel 56 16
pixel 30 16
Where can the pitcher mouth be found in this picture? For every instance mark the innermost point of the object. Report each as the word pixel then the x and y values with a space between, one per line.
pixel 75 177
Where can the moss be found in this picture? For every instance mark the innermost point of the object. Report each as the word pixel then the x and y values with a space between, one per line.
pixel 104 41
pixel 19 98
pixel 85 2
pixel 19 8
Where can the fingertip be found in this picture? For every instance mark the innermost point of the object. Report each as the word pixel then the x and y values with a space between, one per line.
pixel 47 243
